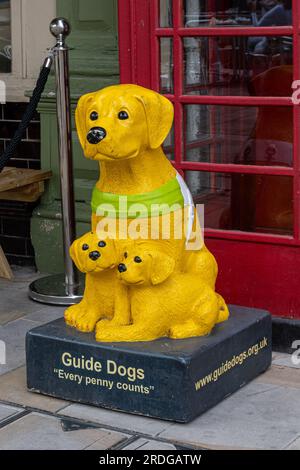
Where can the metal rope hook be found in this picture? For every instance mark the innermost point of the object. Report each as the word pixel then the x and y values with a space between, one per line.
pixel 62 289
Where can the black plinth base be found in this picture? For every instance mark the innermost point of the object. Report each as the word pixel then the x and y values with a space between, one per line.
pixel 169 379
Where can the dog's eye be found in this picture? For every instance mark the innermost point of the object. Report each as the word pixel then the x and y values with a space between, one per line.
pixel 85 247
pixel 137 259
pixel 101 244
pixel 125 254
pixel 123 115
pixel 94 116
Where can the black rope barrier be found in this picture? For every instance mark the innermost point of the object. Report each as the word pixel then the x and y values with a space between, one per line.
pixel 28 115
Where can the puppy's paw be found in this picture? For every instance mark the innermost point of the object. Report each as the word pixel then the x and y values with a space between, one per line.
pixel 223 309
pixel 188 329
pixel 104 331
pixel 109 331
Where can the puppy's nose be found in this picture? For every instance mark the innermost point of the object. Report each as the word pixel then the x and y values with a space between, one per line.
pixel 122 268
pixel 94 255
pixel 95 135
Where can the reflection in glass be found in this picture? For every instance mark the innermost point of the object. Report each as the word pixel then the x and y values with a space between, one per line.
pixel 165 17
pixel 166 65
pixel 228 65
pixel 242 135
pixel 250 203
pixel 168 144
pixel 5 37
pixel 222 13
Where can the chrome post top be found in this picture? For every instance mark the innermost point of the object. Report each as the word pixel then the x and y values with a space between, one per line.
pixel 60 28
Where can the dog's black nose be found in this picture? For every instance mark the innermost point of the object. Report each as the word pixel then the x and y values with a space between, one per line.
pixel 95 135
pixel 94 255
pixel 122 268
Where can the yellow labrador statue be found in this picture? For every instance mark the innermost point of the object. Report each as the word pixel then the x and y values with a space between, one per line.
pixel 123 127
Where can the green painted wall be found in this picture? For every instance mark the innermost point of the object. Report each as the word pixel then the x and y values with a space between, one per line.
pixel 93 65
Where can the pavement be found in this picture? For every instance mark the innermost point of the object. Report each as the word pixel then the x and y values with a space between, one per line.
pixel 264 414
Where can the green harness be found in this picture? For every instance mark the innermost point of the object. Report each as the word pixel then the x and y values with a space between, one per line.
pixel 167 198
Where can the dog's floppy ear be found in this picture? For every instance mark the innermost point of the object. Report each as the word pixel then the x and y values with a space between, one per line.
pixel 159 114
pixel 162 267
pixel 73 252
pixel 80 117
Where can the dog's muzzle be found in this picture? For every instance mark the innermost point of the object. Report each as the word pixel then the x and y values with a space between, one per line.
pixel 95 135
pixel 122 268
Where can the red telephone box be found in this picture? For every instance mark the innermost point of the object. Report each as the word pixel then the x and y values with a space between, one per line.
pixel 228 68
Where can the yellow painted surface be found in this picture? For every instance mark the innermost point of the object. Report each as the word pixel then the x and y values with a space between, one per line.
pixel 175 295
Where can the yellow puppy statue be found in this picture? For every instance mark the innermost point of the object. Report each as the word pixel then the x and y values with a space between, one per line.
pixel 105 296
pixel 163 302
pixel 123 127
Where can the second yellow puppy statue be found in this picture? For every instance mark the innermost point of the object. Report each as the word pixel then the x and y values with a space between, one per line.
pixel 123 127
pixel 163 302
pixel 105 296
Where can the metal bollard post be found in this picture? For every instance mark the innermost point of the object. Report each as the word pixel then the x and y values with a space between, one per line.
pixel 62 289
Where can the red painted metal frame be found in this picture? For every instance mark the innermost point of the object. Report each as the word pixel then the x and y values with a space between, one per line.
pixel 134 41
pixel 228 31
pixel 233 100
pixel 270 262
pixel 296 121
pixel 146 13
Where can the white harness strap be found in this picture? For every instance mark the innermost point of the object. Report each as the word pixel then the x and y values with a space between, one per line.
pixel 188 202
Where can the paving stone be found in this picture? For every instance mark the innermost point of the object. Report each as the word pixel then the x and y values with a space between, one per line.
pixel 46 314
pixel 15 331
pixel 13 334
pixel 25 273
pixel 149 444
pixel 13 389
pixel 295 445
pixel 280 375
pixel 110 439
pixel 8 316
pixel 279 355
pixel 7 411
pixel 15 302
pixel 115 419
pixel 253 418
pixel 42 432
pixel 15 357
pixel 258 388
pixel 286 360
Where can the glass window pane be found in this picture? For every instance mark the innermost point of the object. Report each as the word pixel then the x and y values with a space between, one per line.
pixel 168 145
pixel 234 65
pixel 5 37
pixel 166 65
pixel 244 135
pixel 165 17
pixel 250 203
pixel 221 13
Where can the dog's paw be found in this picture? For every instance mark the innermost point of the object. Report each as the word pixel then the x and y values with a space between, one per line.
pixel 87 321
pixel 72 313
